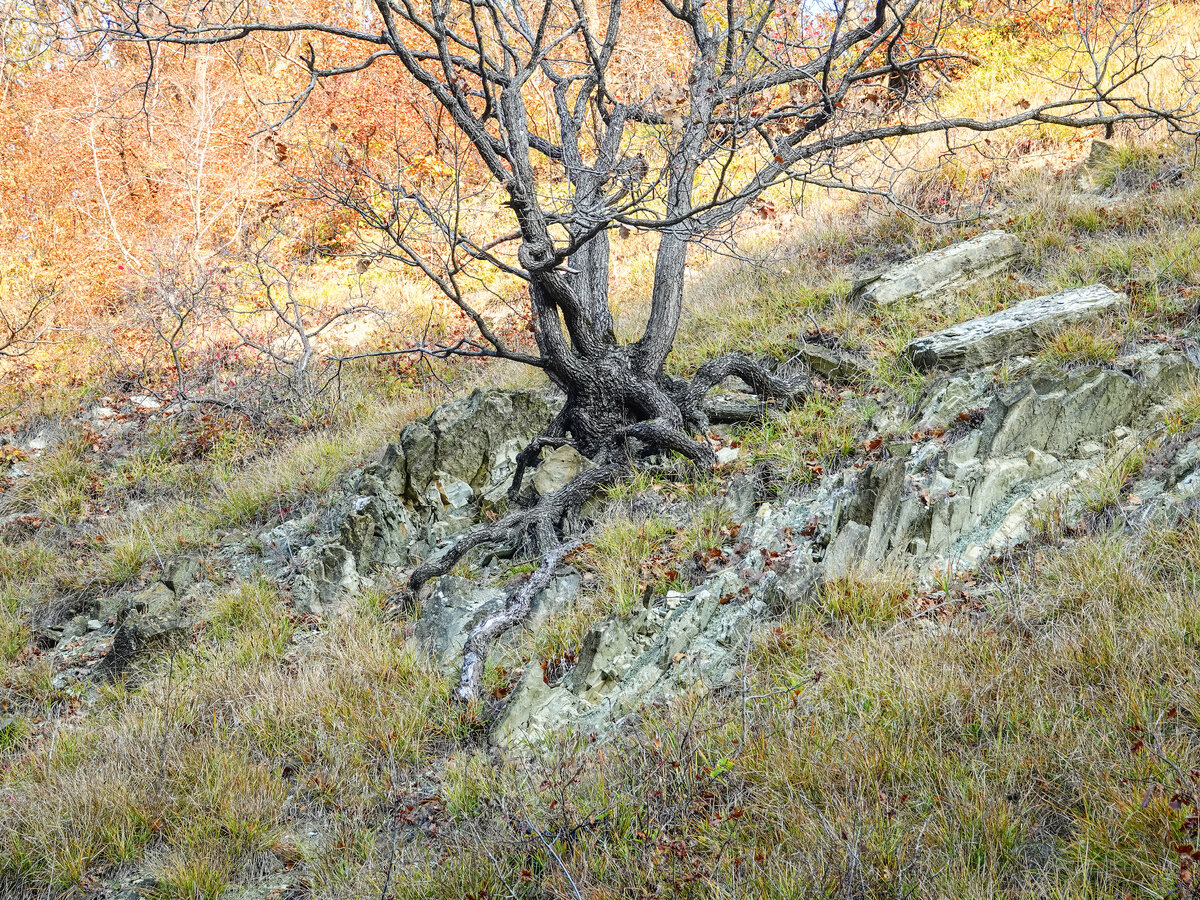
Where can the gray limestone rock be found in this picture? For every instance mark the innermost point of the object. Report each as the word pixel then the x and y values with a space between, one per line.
pixel 149 620
pixel 180 573
pixel 927 275
pixel 379 528
pixel 454 607
pixel 420 459
pixel 835 365
pixel 1096 172
pixel 847 551
pixel 331 572
pixel 425 489
pixel 1015 331
pixel 474 440
pixel 391 471
pixel 1185 463
pixel 689 642
pixel 557 469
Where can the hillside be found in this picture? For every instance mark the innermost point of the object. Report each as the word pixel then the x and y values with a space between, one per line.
pixel 904 601
pixel 927 634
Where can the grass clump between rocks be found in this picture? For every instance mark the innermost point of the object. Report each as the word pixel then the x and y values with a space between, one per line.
pixel 1079 345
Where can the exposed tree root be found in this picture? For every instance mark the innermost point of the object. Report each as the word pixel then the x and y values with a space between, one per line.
pixel 479 642
pixel 536 523
pixel 629 419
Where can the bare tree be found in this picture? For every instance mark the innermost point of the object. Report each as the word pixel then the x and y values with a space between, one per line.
pixel 246 335
pixel 25 316
pixel 768 91
pixel 294 323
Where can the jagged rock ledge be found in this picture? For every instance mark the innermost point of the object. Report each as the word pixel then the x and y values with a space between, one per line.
pixel 1015 331
pixel 430 485
pixel 985 459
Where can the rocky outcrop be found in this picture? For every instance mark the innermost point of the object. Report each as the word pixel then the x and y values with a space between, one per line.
pixel 1015 331
pixel 427 487
pixel 691 642
pixel 987 459
pixel 969 483
pixel 104 642
pixel 973 467
pixel 467 449
pixel 927 275
pixel 150 620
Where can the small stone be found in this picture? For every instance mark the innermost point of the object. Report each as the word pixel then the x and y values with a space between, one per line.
pixel 142 401
pixel 726 455
pixel 1095 174
pixel 1117 435
pixel 1041 464
pixel 453 494
pixel 1185 461
pixel 832 364
pixel 558 468
pixel 75 628
pixel 47 638
pixel 180 574
pixel 94 624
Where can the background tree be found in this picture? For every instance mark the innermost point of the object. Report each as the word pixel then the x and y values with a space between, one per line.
pixel 542 107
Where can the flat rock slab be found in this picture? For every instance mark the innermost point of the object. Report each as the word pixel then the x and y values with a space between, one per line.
pixel 1016 331
pixel 925 276
pixel 833 364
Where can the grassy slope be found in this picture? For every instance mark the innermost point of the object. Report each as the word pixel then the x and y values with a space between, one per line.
pixel 1038 742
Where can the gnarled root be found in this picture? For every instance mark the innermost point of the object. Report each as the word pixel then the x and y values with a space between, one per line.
pixel 479 642
pixel 666 414
pixel 754 373
pixel 773 392
pixel 553 436
pixel 537 522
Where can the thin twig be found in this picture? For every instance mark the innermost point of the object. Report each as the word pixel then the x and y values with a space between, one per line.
pixel 557 858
